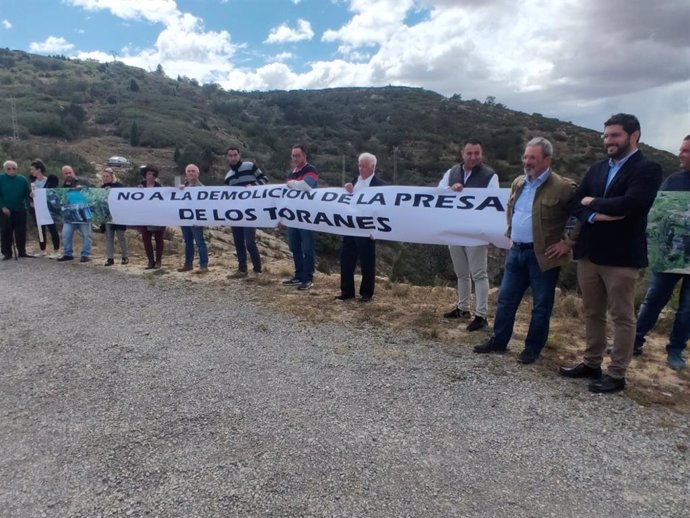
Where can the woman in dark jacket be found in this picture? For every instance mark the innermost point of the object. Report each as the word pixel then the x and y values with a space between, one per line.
pixel 150 233
pixel 109 182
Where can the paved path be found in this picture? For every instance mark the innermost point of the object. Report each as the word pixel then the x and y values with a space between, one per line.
pixel 137 396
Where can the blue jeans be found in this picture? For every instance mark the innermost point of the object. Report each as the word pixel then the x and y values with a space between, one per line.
pixel 190 236
pixel 302 247
pixel 522 271
pixel 68 235
pixel 658 294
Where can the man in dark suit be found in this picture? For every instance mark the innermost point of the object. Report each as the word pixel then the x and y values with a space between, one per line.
pixel 612 203
pixel 362 248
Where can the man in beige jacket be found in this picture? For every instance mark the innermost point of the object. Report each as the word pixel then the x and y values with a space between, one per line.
pixel 537 214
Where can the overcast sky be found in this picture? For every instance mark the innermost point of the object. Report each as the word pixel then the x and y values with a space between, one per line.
pixel 577 60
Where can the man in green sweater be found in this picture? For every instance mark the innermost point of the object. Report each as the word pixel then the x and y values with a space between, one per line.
pixel 14 198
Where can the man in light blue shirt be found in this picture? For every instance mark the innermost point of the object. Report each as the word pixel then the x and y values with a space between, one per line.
pixel 537 214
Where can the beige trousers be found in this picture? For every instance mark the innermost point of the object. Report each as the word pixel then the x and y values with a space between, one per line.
pixel 608 289
pixel 469 263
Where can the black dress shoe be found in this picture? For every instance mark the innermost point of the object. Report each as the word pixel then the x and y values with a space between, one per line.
pixel 606 384
pixel 477 324
pixel 344 297
pixel 6 257
pixel 65 258
pixel 26 256
pixel 490 346
pixel 580 371
pixel 457 313
pixel 84 259
pixel 363 298
pixel 526 357
pixel 109 262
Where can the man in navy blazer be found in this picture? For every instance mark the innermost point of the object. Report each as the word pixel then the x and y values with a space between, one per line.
pixel 362 248
pixel 612 203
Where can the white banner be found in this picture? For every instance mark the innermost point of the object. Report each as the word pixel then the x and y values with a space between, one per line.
pixel 395 213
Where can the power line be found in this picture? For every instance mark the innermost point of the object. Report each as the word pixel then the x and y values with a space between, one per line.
pixel 13 111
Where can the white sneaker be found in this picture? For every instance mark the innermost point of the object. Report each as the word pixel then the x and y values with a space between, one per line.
pixel 40 253
pixel 56 255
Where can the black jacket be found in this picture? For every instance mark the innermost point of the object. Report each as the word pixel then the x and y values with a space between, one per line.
pixel 631 194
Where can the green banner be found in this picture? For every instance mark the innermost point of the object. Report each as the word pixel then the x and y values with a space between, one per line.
pixel 668 232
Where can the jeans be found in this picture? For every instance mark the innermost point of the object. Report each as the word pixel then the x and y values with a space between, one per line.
pixel 302 247
pixel 522 271
pixel 110 241
pixel 245 241
pixel 658 294
pixel 193 235
pixel 68 235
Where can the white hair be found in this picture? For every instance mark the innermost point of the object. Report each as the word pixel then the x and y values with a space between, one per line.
pixel 368 158
pixel 9 162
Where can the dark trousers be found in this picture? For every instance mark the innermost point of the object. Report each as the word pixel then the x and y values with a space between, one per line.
pixel 13 227
pixel 54 236
pixel 245 241
pixel 148 236
pixel 364 250
pixel 658 294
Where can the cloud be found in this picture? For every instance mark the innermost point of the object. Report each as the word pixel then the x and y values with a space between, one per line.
pixel 157 11
pixel 280 58
pixel 51 44
pixel 283 33
pixel 6 24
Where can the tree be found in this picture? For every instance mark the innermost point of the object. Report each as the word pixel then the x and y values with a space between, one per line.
pixel 133 85
pixel 159 70
pixel 490 101
pixel 134 134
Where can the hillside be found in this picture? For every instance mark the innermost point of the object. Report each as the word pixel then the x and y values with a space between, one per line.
pixel 82 112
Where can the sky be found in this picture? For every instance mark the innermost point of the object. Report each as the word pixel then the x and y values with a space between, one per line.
pixel 576 60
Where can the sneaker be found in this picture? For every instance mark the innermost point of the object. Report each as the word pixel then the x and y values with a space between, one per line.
pixel 675 360
pixel 477 324
pixel 201 270
pixel 363 298
pixel 344 297
pixel 457 313
pixel 125 260
pixel 109 262
pixel 65 258
pixel 292 282
pixel 239 274
pixel 305 285
pixel 40 253
pixel 84 259
pixel 55 255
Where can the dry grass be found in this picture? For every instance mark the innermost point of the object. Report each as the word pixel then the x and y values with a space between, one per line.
pixel 403 308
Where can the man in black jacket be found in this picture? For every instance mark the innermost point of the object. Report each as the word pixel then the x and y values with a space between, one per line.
pixel 362 248
pixel 612 203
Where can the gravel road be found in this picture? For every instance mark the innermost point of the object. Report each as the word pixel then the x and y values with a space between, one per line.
pixel 138 396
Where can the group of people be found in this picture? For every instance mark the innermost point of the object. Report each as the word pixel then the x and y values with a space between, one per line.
pixel 601 223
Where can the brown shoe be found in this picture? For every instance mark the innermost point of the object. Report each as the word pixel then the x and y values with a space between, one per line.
pixel 185 268
pixel 202 270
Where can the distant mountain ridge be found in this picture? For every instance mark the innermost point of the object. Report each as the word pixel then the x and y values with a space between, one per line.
pixel 415 133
